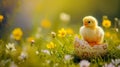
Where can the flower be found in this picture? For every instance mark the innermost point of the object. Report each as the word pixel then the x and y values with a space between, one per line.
pixel 23 56
pixel 106 22
pixel 107 34
pixel 45 23
pixel 116 61
pixel 109 65
pixel 84 63
pixel 51 45
pixel 118 47
pixel 53 34
pixel 62 33
pixel 46 51
pixel 11 47
pixel 30 39
pixel 65 17
pixel 17 33
pixel 67 57
pixel 1 18
pixel 69 31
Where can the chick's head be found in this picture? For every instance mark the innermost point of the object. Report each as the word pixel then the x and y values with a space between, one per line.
pixel 90 21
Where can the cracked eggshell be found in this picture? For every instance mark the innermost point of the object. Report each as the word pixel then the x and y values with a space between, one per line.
pixel 83 50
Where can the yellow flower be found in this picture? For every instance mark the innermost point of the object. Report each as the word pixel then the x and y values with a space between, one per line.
pixel 62 33
pixel 51 45
pixel 45 23
pixel 106 22
pixel 1 18
pixel 30 39
pixel 107 34
pixel 69 31
pixel 17 33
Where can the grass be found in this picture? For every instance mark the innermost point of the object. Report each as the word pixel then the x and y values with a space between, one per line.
pixel 60 53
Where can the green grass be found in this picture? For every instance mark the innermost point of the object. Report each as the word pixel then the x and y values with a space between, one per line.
pixel 56 56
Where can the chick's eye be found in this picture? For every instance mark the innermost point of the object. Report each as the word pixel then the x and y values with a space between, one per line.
pixel 88 21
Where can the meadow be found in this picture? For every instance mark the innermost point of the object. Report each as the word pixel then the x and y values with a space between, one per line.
pixel 52 45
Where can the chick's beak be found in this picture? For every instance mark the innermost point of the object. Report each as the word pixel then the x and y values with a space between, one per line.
pixel 85 23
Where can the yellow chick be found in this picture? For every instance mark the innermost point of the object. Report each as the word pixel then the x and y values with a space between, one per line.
pixel 91 32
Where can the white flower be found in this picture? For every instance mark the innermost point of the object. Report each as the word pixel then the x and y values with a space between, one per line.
pixel 109 65
pixel 65 17
pixel 4 62
pixel 84 63
pixel 23 56
pixel 11 47
pixel 118 47
pixel 12 64
pixel 116 61
pixel 37 52
pixel 46 51
pixel 53 34
pixel 67 57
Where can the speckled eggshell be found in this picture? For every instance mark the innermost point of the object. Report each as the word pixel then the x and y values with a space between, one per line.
pixel 83 49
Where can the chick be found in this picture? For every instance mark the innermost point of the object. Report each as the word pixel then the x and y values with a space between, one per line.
pixel 91 32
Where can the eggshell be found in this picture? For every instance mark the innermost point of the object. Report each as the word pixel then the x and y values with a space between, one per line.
pixel 83 49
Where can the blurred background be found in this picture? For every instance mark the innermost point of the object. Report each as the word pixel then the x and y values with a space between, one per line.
pixel 29 14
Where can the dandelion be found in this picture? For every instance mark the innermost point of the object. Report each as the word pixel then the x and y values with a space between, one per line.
pixel 65 17
pixel 17 33
pixel 69 31
pixel 45 23
pixel 51 45
pixel 84 63
pixel 1 18
pixel 11 47
pixel 53 34
pixel 106 22
pixel 62 33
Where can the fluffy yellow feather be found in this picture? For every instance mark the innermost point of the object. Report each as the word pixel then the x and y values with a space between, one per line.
pixel 91 32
